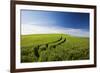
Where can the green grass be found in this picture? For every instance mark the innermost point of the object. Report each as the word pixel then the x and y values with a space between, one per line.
pixel 53 47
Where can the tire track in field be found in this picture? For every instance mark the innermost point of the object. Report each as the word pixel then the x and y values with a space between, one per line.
pixel 44 47
pixel 49 45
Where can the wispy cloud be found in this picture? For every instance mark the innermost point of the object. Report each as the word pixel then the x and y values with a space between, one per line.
pixel 37 29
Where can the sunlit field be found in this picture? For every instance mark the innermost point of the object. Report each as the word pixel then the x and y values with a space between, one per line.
pixel 53 47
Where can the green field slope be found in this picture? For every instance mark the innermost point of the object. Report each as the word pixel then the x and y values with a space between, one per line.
pixel 53 47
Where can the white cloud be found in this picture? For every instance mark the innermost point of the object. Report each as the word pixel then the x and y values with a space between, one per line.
pixel 36 29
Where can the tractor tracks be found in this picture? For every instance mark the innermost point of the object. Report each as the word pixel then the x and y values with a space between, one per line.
pixel 37 49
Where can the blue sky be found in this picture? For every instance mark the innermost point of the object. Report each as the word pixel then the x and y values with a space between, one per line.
pixel 37 22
